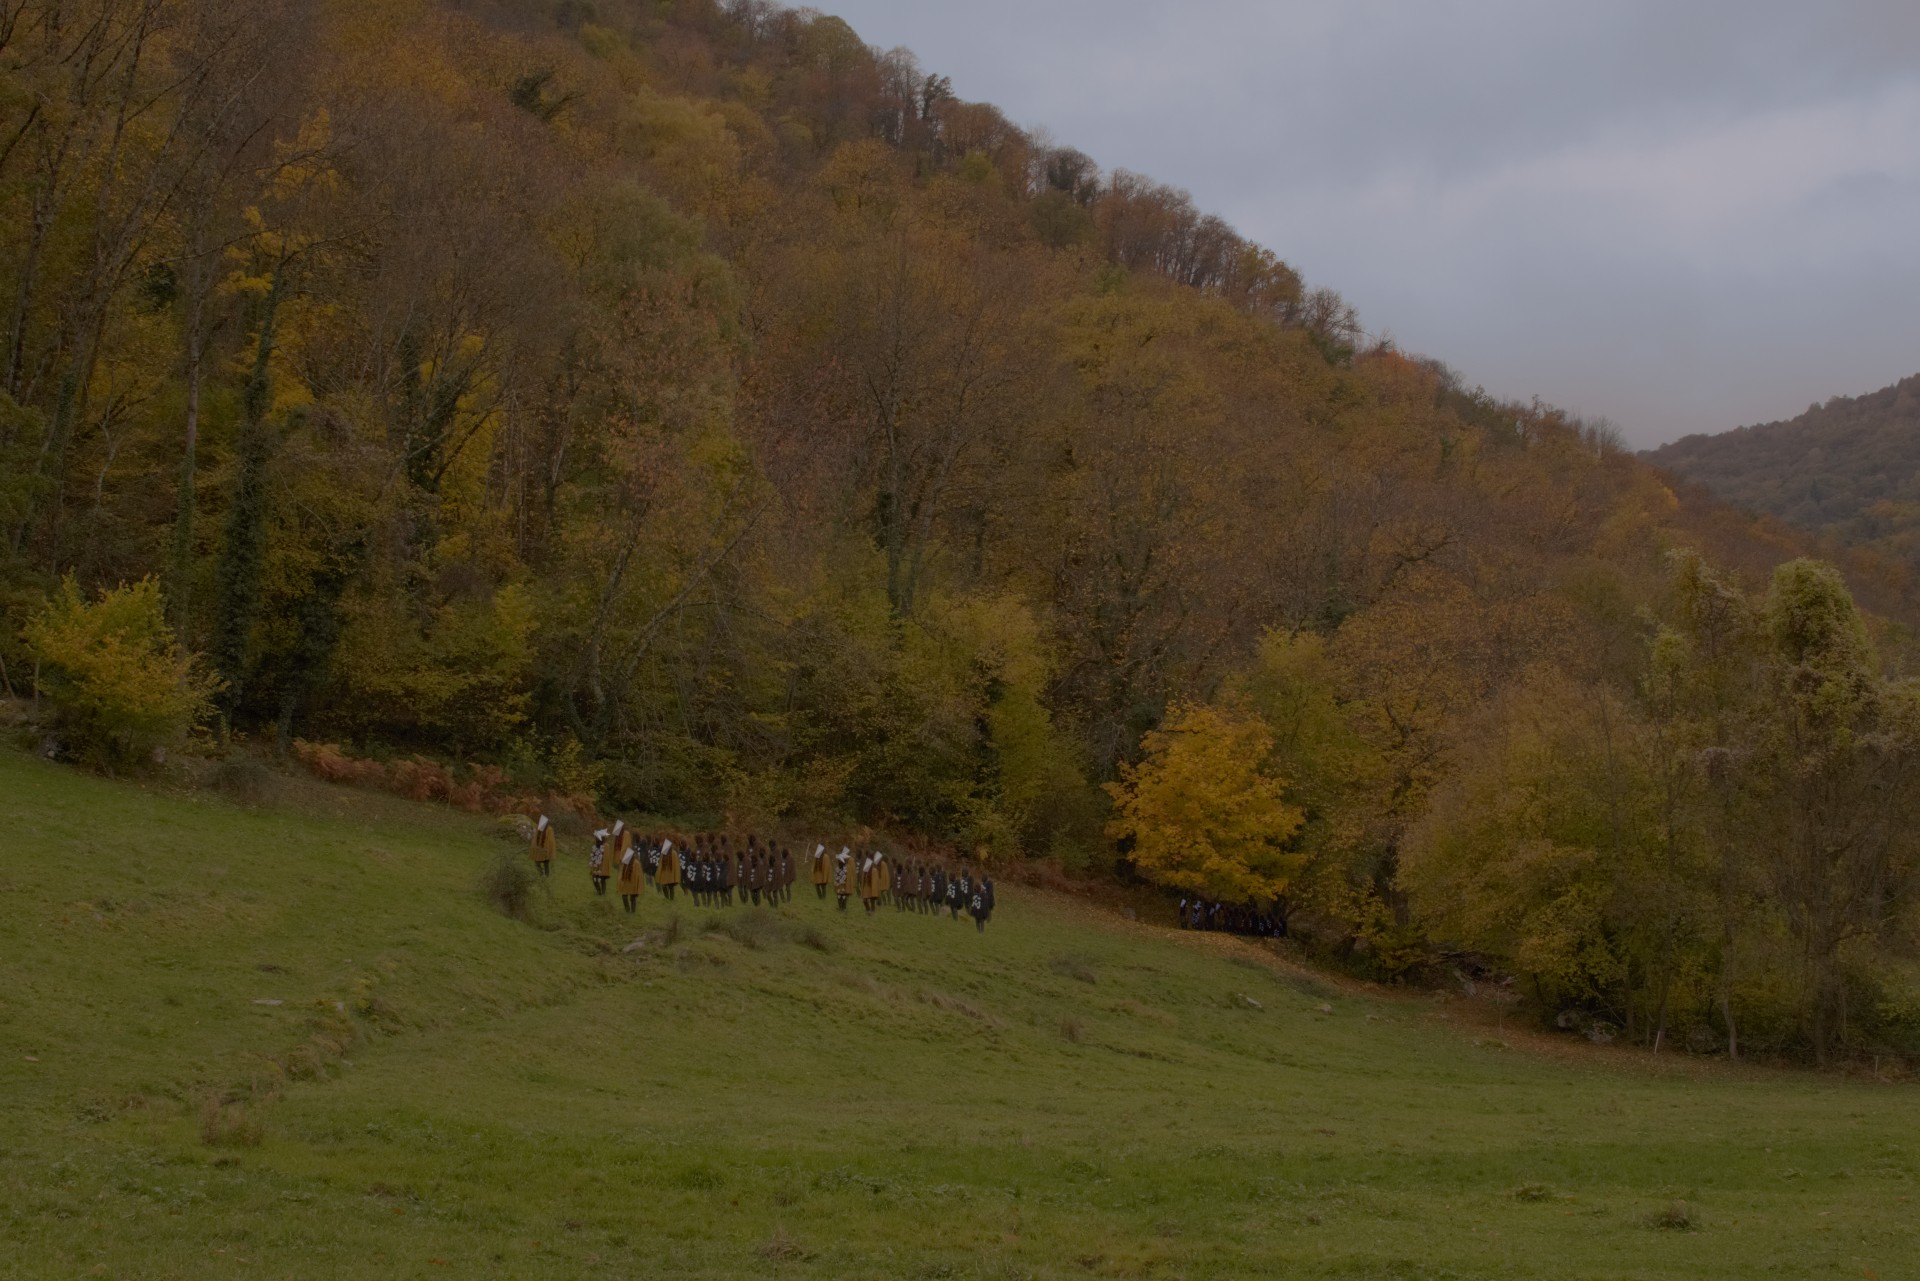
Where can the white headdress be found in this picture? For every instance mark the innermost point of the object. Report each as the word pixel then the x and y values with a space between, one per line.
pixel 541 826
pixel 619 826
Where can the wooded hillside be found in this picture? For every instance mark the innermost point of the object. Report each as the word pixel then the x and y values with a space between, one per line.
pixel 685 403
pixel 1848 469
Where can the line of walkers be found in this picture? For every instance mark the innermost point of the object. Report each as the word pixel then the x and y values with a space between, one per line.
pixel 711 869
pixel 1228 918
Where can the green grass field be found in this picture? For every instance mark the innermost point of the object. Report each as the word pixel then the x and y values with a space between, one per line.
pixel 443 1092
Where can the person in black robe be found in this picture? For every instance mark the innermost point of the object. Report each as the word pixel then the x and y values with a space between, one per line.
pixel 597 862
pixel 843 876
pixel 956 894
pixel 987 882
pixel 977 906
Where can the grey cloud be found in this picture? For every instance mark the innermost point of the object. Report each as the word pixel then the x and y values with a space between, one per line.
pixel 1682 216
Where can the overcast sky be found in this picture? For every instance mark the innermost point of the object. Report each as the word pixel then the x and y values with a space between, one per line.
pixel 1682 215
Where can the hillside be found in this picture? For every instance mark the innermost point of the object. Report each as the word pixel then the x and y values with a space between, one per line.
pixel 1849 468
pixel 683 407
pixel 293 1041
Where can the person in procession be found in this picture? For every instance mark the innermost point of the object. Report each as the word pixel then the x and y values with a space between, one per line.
pixel 723 872
pixel 597 862
pixel 821 872
pixel 630 881
pixel 843 876
pixel 544 845
pixel 619 841
pixel 668 878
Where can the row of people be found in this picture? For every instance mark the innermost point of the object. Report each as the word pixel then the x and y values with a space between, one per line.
pixel 711 869
pixel 708 868
pixel 913 886
pixel 1229 918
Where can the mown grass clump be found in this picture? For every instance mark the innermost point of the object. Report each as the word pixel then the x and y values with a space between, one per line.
pixel 226 1124
pixel 1071 965
pixel 507 884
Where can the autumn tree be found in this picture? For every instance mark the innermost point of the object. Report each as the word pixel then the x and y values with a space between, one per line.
pixel 1200 812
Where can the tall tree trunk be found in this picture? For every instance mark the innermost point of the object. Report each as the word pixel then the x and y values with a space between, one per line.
pixel 243 548
pixel 180 598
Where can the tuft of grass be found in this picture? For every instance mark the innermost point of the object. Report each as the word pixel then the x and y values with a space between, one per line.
pixel 755 929
pixel 781 1248
pixel 1072 1029
pixel 1071 965
pixel 699 1178
pixel 229 1125
pixel 1532 1192
pixel 507 883
pixel 943 1001
pixel 1677 1216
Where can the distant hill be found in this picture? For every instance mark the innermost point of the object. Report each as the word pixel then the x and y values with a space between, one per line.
pixel 1849 468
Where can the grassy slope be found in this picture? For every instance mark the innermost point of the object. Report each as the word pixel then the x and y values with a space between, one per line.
pixel 500 1100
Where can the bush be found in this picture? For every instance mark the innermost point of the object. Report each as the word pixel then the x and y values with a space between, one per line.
pixel 119 683
pixel 508 884
pixel 244 779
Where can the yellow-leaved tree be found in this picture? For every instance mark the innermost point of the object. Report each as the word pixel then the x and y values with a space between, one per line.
pixel 119 682
pixel 1203 812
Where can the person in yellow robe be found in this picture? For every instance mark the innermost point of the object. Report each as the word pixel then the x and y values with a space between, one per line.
pixel 544 846
pixel 668 877
pixel 629 870
pixel 822 873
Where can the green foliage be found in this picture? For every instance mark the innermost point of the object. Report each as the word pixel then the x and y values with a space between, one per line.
pixel 119 683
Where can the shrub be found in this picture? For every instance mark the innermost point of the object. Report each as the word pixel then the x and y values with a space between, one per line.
pixel 508 884
pixel 244 779
pixel 119 682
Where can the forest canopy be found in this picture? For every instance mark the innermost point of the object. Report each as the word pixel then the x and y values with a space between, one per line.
pixel 686 400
